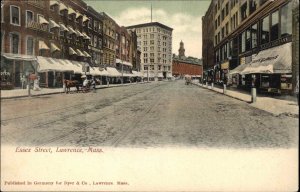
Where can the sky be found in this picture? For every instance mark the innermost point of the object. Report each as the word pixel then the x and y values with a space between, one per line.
pixel 184 16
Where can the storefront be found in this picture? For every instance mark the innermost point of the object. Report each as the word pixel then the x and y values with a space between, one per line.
pixel 15 70
pixel 269 71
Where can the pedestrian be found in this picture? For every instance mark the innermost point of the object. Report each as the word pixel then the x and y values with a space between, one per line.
pixel 93 83
pixel 85 84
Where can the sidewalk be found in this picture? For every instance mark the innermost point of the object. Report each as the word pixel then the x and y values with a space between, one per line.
pixel 16 93
pixel 286 105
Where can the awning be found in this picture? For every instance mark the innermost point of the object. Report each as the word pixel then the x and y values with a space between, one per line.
pixel 160 75
pixel 76 66
pixel 63 27
pixel 85 18
pixel 42 45
pixel 113 72
pixel 78 33
pixel 103 72
pixel 53 24
pixel 51 64
pixel 150 74
pixel 86 54
pixel 238 69
pixel 53 47
pixel 62 7
pixel 78 14
pixel 71 11
pixel 18 57
pixel 136 74
pixel 123 62
pixel 42 20
pixel 85 36
pixel 54 2
pixel 71 30
pixel 169 74
pixel 79 53
pixel 274 60
pixel 71 51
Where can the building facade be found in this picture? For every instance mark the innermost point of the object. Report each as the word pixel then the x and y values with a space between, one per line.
pixel 208 54
pixel 182 65
pixel 155 41
pixel 249 40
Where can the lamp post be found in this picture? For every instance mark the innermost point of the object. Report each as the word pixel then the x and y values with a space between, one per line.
pixel 148 73
pixel 122 72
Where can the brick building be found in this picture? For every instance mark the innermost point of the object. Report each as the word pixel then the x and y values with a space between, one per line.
pixel 183 65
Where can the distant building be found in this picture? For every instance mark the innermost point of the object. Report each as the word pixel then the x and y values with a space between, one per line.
pixel 183 65
pixel 155 42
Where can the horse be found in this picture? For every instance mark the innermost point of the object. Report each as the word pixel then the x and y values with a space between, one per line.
pixel 71 83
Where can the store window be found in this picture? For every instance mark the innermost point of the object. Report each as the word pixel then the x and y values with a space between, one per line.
pixel 29 17
pixel 254 33
pixel 286 20
pixel 15 15
pixel 275 26
pixel 265 30
pixel 29 46
pixel 14 43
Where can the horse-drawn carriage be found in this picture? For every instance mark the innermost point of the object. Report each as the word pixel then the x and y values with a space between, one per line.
pixel 188 79
pixel 84 86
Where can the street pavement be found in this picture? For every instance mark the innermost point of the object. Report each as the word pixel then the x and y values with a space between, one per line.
pixel 144 115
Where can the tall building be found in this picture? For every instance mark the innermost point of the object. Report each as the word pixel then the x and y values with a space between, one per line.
pixel 208 54
pixel 155 41
pixel 252 44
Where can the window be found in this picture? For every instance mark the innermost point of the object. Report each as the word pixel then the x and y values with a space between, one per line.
pixel 159 67
pixel 14 43
pixel 223 14
pixel 275 26
pixel 95 41
pixel 286 20
pixel 252 6
pixel 145 55
pixel 248 39
pixel 29 46
pixel 15 15
pixel 244 11
pixel 243 42
pixel 145 60
pixel 29 17
pixel 265 31
pixel 254 35
pixel 151 60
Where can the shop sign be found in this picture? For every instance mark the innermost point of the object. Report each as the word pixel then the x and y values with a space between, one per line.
pixel 277 42
pixel 37 26
pixel 242 60
pixel 5 73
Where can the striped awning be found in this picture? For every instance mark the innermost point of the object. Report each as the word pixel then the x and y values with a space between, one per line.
pixel 63 27
pixel 71 11
pixel 54 2
pixel 85 18
pixel 78 33
pixel 42 45
pixel 79 53
pixel 86 54
pixel 53 24
pixel 53 47
pixel 71 30
pixel 78 14
pixel 71 51
pixel 62 7
pixel 85 36
pixel 42 20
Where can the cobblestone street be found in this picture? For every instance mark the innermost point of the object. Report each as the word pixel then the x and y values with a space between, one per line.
pixel 149 115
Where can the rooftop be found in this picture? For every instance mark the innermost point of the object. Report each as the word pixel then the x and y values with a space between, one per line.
pixel 150 24
pixel 189 60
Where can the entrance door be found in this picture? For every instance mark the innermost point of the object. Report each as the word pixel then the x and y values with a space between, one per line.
pixel 18 73
pixel 165 74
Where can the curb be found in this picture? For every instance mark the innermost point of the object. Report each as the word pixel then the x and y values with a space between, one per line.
pixel 62 92
pixel 222 93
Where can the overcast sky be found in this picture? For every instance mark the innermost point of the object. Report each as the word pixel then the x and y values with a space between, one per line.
pixel 184 16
